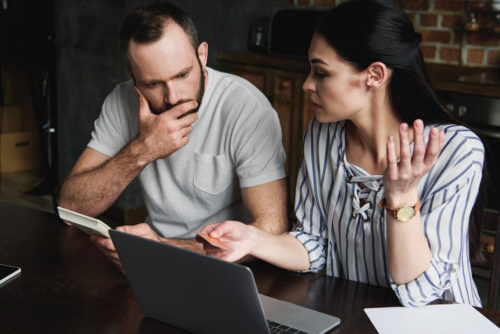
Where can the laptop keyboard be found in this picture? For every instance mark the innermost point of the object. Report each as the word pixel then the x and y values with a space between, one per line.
pixel 275 328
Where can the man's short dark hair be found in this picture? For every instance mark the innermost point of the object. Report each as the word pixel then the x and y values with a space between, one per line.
pixel 146 24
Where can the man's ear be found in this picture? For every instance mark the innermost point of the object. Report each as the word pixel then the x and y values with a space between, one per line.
pixel 378 74
pixel 129 72
pixel 203 53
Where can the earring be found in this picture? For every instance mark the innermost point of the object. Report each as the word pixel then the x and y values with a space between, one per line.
pixel 370 88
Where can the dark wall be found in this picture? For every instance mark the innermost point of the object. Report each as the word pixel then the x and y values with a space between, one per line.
pixel 89 63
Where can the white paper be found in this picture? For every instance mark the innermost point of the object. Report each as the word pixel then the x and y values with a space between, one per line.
pixel 445 318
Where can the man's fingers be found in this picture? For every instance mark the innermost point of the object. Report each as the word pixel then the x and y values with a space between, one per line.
pixel 118 264
pixel 183 108
pixel 113 256
pixel 138 229
pixel 185 131
pixel 126 228
pixel 104 244
pixel 141 229
pixel 188 119
pixel 143 104
pixel 107 247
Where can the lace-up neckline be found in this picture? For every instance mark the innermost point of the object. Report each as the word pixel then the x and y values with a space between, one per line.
pixel 363 186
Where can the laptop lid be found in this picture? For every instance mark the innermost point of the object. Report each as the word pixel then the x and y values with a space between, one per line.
pixel 190 290
pixel 202 294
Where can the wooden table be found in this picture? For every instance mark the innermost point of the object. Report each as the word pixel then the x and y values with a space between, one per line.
pixel 67 286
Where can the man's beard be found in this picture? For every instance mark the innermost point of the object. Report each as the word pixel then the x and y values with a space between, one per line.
pixel 199 96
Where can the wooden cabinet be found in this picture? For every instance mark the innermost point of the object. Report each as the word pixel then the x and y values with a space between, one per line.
pixel 280 79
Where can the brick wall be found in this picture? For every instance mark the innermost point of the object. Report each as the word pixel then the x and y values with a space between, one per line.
pixel 441 24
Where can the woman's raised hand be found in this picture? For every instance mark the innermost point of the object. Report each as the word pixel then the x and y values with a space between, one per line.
pixel 401 178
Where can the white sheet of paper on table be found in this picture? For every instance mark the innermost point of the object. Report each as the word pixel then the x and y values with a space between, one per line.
pixel 441 318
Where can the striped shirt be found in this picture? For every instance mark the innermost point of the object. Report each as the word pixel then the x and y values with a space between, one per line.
pixel 344 230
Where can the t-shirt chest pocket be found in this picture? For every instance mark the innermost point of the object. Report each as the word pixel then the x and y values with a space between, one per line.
pixel 212 173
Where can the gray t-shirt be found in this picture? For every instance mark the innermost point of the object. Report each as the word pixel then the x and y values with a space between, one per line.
pixel 235 143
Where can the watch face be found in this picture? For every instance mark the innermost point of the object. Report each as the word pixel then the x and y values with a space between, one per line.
pixel 405 213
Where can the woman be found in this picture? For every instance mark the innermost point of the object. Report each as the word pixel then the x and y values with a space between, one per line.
pixel 380 198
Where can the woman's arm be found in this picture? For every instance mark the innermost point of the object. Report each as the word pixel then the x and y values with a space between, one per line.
pixel 408 251
pixel 448 195
pixel 283 250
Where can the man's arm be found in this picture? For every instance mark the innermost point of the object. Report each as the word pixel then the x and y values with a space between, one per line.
pixel 267 205
pixel 97 180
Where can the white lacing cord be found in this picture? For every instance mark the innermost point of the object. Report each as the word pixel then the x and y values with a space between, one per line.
pixel 372 183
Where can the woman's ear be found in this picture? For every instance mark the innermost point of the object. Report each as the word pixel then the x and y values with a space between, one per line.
pixel 378 74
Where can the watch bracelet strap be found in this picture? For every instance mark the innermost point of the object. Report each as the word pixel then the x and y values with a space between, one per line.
pixel 393 212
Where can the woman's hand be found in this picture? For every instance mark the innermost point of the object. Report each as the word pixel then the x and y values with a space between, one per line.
pixel 401 178
pixel 238 236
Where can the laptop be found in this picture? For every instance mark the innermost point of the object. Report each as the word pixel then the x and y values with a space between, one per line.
pixel 202 294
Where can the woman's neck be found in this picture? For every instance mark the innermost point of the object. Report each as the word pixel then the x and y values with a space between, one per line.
pixel 367 134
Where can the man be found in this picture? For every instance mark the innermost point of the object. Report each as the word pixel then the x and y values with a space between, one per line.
pixel 230 167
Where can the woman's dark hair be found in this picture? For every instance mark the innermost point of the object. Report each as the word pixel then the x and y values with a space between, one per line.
pixel 367 31
pixel 146 24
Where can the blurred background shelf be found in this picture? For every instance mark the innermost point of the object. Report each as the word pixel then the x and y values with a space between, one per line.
pixel 16 187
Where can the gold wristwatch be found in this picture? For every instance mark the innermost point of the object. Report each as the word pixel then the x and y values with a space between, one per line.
pixel 404 213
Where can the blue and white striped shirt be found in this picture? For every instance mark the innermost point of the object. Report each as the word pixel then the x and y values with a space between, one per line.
pixel 344 230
